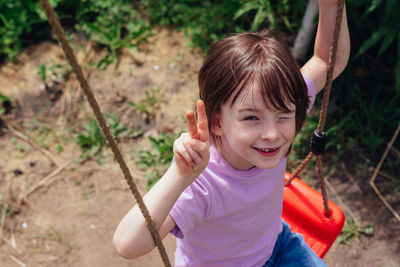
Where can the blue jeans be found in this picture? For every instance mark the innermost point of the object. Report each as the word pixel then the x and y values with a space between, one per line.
pixel 291 250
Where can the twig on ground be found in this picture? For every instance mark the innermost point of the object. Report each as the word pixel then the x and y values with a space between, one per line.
pixel 45 180
pixel 11 245
pixel 31 142
pixel 18 261
pixel 3 218
pixel 396 151
pixel 384 174
pixel 372 180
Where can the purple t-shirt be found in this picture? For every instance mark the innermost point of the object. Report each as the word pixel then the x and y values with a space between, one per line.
pixel 228 217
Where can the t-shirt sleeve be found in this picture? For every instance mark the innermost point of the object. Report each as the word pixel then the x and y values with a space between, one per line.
pixel 192 206
pixel 312 92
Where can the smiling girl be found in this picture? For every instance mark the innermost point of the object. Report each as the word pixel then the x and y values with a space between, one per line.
pixel 222 195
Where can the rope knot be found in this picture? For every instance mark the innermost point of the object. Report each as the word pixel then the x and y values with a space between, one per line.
pixel 318 142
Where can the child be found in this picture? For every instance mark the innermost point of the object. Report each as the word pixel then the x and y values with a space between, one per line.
pixel 222 195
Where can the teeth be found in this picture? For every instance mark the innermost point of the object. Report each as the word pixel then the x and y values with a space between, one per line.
pixel 267 150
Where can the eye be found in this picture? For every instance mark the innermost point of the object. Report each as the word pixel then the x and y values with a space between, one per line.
pixel 284 117
pixel 250 118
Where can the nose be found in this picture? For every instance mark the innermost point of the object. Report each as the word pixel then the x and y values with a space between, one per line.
pixel 270 132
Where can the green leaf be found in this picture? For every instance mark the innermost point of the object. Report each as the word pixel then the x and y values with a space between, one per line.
pixel 375 37
pixel 387 41
pixel 373 6
pixel 390 8
pixel 368 230
pixel 246 8
pixel 260 16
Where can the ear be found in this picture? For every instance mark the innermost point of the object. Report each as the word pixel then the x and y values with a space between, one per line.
pixel 216 128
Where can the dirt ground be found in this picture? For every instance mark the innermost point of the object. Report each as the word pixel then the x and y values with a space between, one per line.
pixel 63 212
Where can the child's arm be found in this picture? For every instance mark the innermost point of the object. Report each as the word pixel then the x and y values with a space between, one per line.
pixel 132 239
pixel 316 68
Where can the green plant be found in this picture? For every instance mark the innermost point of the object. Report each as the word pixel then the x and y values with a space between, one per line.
pixel 206 22
pixel 271 11
pixel 56 73
pixel 367 94
pixel 351 230
pixel 385 32
pixel 18 21
pixel 157 160
pixel 5 104
pixel 59 148
pixel 92 142
pixel 20 147
pixel 148 105
pixel 114 24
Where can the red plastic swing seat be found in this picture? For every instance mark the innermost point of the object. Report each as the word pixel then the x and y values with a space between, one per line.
pixel 303 210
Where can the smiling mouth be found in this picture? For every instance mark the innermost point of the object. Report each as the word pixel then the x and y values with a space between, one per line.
pixel 268 151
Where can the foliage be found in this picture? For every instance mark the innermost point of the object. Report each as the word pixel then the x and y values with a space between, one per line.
pixel 149 104
pixel 205 22
pixel 5 103
pixel 386 33
pixel 351 230
pixel 123 23
pixel 55 73
pixel 158 159
pixel 92 142
pixel 265 10
pixel 19 21
pixel 114 24
pixel 366 96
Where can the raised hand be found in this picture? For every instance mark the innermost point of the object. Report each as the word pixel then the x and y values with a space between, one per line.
pixel 191 149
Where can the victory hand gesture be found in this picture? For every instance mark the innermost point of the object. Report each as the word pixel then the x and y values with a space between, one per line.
pixel 191 149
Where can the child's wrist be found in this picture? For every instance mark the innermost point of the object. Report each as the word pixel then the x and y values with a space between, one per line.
pixel 182 180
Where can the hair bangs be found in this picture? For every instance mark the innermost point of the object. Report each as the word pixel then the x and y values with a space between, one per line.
pixel 277 90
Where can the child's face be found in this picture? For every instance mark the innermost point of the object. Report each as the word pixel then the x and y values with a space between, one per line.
pixel 253 134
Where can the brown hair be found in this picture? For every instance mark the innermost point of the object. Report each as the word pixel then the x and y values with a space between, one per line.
pixel 236 63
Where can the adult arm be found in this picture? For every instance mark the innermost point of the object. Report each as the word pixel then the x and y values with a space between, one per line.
pixel 317 67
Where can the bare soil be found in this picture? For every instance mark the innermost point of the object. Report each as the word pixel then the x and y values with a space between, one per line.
pixel 63 212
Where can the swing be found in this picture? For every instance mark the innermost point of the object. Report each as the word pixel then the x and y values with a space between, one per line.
pixel 302 207
pixel 307 211
pixel 303 211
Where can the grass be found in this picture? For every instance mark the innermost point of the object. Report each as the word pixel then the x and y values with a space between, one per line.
pixel 55 73
pixel 352 230
pixel 91 140
pixel 149 104
pixel 5 104
pixel 157 160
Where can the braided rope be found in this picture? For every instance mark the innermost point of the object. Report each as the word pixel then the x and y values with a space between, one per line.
pixel 318 168
pixel 57 29
pixel 331 68
pixel 324 108
pixel 300 168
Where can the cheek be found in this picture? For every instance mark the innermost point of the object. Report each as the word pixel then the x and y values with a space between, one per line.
pixel 289 131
